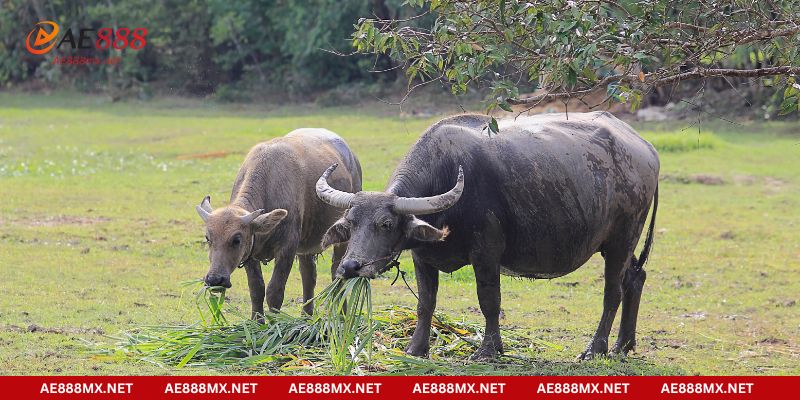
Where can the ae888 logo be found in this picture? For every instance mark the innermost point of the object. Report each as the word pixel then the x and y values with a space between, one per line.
pixel 44 36
pixel 121 38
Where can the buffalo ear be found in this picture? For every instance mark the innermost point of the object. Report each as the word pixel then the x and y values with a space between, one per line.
pixel 420 230
pixel 339 232
pixel 265 223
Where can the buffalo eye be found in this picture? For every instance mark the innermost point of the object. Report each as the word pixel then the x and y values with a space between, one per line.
pixel 386 225
pixel 236 240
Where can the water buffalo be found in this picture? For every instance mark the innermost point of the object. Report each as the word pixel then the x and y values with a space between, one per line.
pixel 535 200
pixel 278 175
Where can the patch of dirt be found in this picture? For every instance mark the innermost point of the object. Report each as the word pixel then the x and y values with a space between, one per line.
pixel 745 180
pixel 68 243
pixel 213 154
pixel 735 317
pixel 728 235
pixel 697 315
pixel 667 343
pixel 772 340
pixel 702 179
pixel 680 283
pixel 33 328
pixel 770 181
pixel 568 284
pixel 57 220
pixel 783 302
pixel 773 185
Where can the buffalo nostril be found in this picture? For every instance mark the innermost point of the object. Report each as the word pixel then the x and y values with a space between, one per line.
pixel 214 280
pixel 351 266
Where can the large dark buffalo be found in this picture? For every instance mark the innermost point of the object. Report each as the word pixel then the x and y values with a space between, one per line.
pixel 536 200
pixel 279 176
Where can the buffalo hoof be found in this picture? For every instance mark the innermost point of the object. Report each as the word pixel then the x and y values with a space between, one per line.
pixel 484 353
pixel 623 347
pixel 595 348
pixel 589 355
pixel 417 350
pixel 257 316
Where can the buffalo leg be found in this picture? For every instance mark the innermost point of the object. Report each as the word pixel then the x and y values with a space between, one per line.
pixel 338 253
pixel 308 274
pixel 485 259
pixel 428 286
pixel 280 274
pixel 632 285
pixel 487 276
pixel 255 282
pixel 614 268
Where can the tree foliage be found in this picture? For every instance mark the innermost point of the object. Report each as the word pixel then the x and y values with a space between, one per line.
pixel 568 49
pixel 199 46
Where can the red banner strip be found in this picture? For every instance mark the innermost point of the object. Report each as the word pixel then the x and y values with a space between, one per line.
pixel 397 387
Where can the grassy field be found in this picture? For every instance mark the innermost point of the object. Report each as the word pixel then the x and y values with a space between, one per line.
pixel 98 229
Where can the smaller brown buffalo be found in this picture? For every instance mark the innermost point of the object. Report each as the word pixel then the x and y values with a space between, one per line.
pixel 278 175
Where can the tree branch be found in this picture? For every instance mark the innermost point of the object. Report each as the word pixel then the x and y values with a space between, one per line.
pixel 652 80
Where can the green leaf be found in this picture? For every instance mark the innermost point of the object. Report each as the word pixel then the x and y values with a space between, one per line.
pixel 493 128
pixel 790 91
pixel 572 76
pixel 789 105
pixel 190 354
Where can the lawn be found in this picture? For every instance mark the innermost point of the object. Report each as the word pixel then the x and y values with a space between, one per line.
pixel 98 229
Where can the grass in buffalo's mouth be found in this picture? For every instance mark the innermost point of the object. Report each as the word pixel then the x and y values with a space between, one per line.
pixel 344 336
pixel 344 313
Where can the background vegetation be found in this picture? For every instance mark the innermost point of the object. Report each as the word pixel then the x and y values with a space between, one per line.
pixel 572 48
pixel 201 47
pixel 351 51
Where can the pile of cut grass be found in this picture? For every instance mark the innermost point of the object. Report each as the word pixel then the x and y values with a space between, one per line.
pixel 343 337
